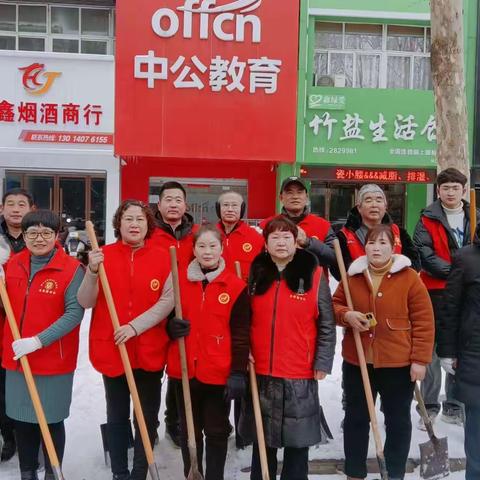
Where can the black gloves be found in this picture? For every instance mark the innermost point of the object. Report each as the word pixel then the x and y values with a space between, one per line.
pixel 236 386
pixel 177 328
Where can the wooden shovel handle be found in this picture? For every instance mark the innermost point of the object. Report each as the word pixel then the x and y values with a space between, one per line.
pixel 32 388
pixel 361 355
pixel 473 213
pixel 187 399
pixel 256 407
pixel 122 349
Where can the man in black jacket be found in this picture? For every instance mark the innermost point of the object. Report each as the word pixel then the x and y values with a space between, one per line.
pixel 16 203
pixel 458 344
pixel 371 210
pixel 442 230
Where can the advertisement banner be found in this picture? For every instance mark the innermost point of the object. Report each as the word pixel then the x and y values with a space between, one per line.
pixel 55 98
pixel 363 126
pixel 207 79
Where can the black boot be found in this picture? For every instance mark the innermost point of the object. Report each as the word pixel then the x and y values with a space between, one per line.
pixel 118 440
pixel 121 476
pixel 9 449
pixel 28 476
pixel 173 431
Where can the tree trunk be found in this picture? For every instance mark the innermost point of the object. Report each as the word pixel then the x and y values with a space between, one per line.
pixel 447 59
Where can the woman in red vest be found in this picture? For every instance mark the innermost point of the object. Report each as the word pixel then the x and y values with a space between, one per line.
pixel 216 304
pixel 293 344
pixel 139 278
pixel 42 283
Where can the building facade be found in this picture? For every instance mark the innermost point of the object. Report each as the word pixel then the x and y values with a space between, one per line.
pixel 366 106
pixel 57 109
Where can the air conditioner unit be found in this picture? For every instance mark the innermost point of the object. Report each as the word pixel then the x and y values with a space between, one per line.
pixel 340 81
pixel 325 81
pixel 331 81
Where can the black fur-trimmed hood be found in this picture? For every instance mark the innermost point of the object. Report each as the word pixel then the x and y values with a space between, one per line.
pixel 298 274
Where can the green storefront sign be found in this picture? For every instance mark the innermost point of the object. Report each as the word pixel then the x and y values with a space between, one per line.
pixel 370 127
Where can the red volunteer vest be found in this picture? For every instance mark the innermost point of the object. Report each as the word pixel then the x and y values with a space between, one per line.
pixel 37 306
pixel 136 279
pixel 356 248
pixel 184 246
pixel 209 344
pixel 440 246
pixel 242 245
pixel 284 330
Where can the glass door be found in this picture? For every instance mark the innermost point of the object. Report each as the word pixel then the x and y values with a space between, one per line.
pixel 75 198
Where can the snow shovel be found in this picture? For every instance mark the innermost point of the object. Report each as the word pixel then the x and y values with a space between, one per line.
pixel 194 473
pixel 363 368
pixel 32 388
pixel 256 408
pixel 137 407
pixel 434 461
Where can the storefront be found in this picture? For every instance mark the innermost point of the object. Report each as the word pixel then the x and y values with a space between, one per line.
pixel 206 94
pixel 366 108
pixel 56 134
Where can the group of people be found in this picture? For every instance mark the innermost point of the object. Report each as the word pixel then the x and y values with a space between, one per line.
pixel 277 313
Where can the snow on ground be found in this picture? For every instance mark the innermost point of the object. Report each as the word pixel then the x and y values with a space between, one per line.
pixel 84 455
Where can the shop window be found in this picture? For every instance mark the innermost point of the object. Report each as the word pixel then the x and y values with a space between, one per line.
pixel 96 47
pixel 372 56
pixel 398 72
pixel 8 18
pixel 32 44
pixel 49 28
pixel 405 39
pixel 65 45
pixel 95 22
pixel 7 43
pixel 363 37
pixel 32 19
pixel 64 20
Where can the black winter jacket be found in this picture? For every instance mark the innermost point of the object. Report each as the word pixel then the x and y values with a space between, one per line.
pixel 458 335
pixel 16 244
pixel 431 262
pixel 354 224
pixel 181 231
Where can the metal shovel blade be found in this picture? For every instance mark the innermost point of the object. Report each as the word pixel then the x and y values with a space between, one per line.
pixel 434 462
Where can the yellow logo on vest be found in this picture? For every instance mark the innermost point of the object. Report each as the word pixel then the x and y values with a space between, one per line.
pixel 48 286
pixel 224 298
pixel 298 296
pixel 247 247
pixel 154 285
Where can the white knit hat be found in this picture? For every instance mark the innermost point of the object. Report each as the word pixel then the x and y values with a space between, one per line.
pixel 369 188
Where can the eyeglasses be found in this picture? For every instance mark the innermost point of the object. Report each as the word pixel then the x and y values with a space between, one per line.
pixel 33 234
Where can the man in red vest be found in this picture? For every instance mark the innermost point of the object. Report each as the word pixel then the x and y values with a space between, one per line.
pixel 16 203
pixel 315 234
pixel 240 242
pixel 443 228
pixel 174 227
pixel 371 210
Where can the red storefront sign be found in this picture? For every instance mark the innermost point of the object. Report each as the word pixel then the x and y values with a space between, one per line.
pixel 207 79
